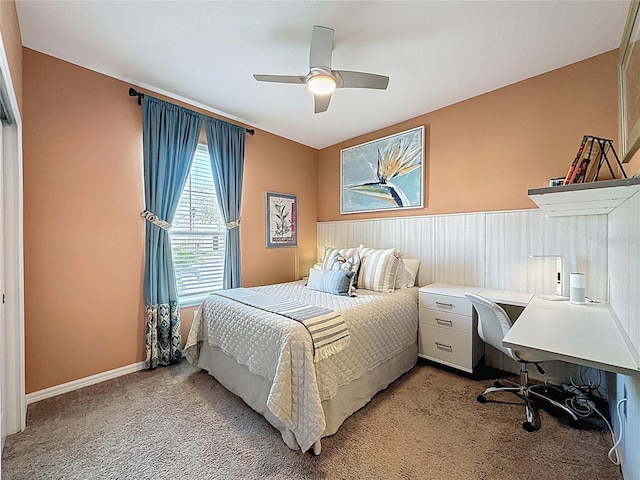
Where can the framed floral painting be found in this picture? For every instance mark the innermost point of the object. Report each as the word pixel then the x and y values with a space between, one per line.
pixel 384 174
pixel 282 220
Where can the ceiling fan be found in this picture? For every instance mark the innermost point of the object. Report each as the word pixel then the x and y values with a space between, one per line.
pixel 321 79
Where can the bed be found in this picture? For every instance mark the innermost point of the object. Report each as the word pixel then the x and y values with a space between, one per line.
pixel 269 360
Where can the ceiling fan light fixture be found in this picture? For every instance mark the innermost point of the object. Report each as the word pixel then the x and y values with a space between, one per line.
pixel 321 79
pixel 321 84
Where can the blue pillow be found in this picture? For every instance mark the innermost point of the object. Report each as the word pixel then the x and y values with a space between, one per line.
pixel 336 282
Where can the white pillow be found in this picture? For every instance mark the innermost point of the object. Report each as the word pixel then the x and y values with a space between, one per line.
pixel 407 272
pixel 412 265
pixel 401 276
pixel 378 269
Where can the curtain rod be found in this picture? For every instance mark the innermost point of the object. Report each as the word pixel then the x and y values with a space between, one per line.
pixel 134 93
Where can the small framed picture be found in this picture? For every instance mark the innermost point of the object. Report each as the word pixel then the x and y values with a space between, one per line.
pixel 282 220
pixel 556 182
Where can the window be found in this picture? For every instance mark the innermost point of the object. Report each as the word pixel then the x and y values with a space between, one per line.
pixel 198 233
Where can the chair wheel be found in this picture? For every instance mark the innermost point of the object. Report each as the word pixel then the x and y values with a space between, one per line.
pixel 529 427
pixel 481 399
pixel 497 384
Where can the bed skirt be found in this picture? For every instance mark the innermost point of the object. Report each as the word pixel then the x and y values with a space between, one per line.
pixel 254 389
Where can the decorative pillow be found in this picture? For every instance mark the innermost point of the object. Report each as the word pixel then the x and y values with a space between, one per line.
pixel 378 269
pixel 407 271
pixel 350 264
pixel 336 282
pixel 411 266
pixel 401 276
pixel 330 254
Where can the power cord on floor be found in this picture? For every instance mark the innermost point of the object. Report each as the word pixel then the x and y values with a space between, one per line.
pixel 583 407
pixel 614 449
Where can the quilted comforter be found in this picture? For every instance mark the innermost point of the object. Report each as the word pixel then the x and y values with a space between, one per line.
pixel 280 349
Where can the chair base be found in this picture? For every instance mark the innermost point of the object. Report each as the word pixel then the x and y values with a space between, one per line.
pixel 527 393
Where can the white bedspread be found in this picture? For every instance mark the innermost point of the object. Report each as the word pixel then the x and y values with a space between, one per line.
pixel 280 349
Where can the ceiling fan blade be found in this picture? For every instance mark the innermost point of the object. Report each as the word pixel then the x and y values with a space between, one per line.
pixel 321 47
pixel 321 103
pixel 361 79
pixel 279 78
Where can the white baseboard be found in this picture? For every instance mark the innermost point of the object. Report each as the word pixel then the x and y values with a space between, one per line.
pixel 82 382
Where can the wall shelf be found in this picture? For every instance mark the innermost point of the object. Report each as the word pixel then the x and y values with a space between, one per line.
pixel 594 198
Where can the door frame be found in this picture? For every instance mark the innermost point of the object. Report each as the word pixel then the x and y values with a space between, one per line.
pixel 13 383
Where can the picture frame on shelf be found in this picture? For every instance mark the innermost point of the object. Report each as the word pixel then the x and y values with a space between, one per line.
pixel 281 220
pixel 629 84
pixel 556 182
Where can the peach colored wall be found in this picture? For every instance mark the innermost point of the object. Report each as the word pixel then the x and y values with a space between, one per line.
pixel 12 41
pixel 485 153
pixel 285 167
pixel 83 241
pixel 83 191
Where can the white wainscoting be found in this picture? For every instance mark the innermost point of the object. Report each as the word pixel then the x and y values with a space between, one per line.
pixel 514 237
pixel 624 280
pixel 492 250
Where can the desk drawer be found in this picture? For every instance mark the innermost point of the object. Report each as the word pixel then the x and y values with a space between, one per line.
pixel 446 346
pixel 446 303
pixel 448 321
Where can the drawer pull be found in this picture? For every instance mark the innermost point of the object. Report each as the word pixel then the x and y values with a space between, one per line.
pixel 441 321
pixel 442 346
pixel 444 305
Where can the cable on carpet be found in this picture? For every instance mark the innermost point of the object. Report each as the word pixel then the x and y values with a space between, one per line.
pixel 583 407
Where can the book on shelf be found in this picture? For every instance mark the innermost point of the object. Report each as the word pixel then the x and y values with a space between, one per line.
pixel 572 168
pixel 584 166
pixel 594 162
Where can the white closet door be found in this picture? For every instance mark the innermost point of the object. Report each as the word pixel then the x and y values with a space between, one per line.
pixel 3 324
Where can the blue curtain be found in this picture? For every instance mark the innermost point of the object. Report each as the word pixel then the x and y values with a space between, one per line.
pixel 170 138
pixel 226 150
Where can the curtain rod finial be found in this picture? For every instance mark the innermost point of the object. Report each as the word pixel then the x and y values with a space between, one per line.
pixel 133 92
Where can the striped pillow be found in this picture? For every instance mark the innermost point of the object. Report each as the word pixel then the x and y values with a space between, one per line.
pixel 331 253
pixel 378 269
pixel 336 282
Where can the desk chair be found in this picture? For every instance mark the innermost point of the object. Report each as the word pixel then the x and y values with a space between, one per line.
pixel 493 325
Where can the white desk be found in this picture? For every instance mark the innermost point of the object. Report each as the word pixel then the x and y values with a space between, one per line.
pixel 520 299
pixel 582 334
pixel 587 334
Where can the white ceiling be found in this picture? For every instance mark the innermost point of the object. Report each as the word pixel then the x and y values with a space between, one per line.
pixel 435 53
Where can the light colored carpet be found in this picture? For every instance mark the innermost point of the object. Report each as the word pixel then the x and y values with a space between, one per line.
pixel 178 422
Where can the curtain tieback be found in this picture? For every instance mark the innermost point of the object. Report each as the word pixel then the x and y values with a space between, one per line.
pixel 153 218
pixel 234 224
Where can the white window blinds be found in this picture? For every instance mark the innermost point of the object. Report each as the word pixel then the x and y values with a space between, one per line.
pixel 198 233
